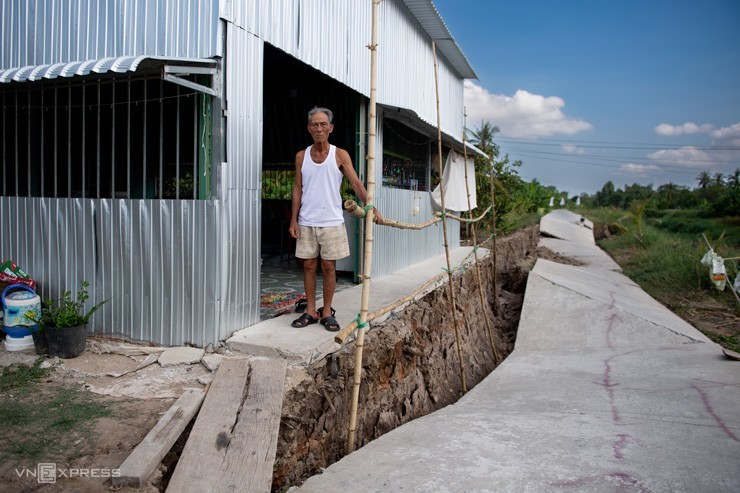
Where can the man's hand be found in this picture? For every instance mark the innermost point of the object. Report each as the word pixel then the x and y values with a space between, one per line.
pixel 377 217
pixel 294 230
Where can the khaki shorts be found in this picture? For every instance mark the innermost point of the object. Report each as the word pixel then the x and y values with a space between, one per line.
pixel 330 242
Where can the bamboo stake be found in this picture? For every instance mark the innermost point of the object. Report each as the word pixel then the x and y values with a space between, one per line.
pixel 493 204
pixel 489 329
pixel 367 264
pixel 444 226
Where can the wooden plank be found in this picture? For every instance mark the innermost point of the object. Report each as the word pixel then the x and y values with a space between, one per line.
pixel 251 456
pixel 203 455
pixel 145 458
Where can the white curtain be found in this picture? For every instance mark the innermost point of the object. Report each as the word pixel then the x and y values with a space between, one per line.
pixel 453 182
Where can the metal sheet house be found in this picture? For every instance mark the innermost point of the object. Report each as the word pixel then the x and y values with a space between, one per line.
pixel 139 138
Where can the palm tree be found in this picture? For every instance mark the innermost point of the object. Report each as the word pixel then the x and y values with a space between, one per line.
pixel 704 179
pixel 483 139
pixel 719 179
pixel 734 179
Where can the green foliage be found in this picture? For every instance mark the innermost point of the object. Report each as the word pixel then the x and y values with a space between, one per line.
pixel 68 312
pixel 277 184
pixel 716 194
pixel 516 201
pixel 22 375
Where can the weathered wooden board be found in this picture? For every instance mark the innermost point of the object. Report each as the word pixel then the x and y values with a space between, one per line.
pixel 251 456
pixel 145 458
pixel 202 458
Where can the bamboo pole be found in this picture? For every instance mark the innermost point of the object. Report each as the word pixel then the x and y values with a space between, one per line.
pixel 354 209
pixel 493 204
pixel 489 329
pixel 444 226
pixel 368 260
pixel 464 219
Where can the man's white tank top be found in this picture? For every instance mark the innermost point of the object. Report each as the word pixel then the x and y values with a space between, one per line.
pixel 321 204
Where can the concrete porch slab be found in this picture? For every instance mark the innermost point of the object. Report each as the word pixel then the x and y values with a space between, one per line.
pixel 275 337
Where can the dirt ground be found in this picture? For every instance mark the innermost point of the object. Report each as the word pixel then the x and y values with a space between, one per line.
pixel 137 400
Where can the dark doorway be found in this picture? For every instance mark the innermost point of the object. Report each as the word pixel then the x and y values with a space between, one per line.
pixel 291 89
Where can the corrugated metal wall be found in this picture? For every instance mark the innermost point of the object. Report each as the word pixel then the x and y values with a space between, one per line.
pixel 155 260
pixel 188 271
pixel 416 245
pixel 415 64
pixel 241 181
pixel 158 261
pixel 301 28
pixel 37 32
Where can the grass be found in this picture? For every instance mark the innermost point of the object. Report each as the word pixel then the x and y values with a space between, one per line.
pixel 22 375
pixel 41 424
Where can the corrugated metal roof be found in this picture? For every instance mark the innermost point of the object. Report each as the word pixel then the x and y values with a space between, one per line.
pixel 120 64
pixel 431 21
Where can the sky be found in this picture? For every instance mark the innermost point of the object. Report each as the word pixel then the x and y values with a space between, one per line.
pixel 589 91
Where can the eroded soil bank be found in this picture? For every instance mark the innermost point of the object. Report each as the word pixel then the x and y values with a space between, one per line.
pixel 410 364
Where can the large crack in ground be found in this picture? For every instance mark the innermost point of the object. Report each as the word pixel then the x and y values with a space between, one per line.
pixel 410 364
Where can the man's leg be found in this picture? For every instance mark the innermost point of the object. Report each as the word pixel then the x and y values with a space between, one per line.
pixel 329 268
pixel 309 285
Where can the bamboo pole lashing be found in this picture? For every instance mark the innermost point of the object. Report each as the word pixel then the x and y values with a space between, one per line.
pixel 444 226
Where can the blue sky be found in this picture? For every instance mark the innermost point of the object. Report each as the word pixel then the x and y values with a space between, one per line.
pixel 590 91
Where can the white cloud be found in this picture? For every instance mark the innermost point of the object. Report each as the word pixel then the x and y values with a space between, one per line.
pixel 688 156
pixel 571 149
pixel 638 169
pixel 687 128
pixel 522 115
pixel 727 136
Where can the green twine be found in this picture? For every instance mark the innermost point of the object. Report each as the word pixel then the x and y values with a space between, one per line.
pixel 359 324
pixel 368 207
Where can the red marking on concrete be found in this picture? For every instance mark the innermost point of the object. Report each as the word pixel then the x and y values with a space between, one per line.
pixel 606 382
pixel 619 445
pixel 710 410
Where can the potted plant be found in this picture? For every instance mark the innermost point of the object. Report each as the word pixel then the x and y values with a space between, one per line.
pixel 65 322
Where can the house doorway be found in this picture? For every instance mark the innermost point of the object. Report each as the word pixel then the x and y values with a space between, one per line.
pixel 291 89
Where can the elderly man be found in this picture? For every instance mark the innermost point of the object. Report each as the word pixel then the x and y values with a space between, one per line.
pixel 317 221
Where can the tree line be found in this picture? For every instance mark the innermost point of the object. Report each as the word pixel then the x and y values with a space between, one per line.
pixel 716 194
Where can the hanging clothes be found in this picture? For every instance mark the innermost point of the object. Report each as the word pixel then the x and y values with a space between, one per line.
pixel 453 182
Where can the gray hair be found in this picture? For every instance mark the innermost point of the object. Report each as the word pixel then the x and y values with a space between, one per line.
pixel 317 109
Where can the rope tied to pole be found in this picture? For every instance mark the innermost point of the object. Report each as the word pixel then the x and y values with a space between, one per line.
pixel 360 325
pixel 368 207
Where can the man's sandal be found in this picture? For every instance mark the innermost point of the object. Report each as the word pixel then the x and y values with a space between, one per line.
pixel 304 321
pixel 330 323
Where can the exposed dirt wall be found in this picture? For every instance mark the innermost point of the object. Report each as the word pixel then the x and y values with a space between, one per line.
pixel 410 365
